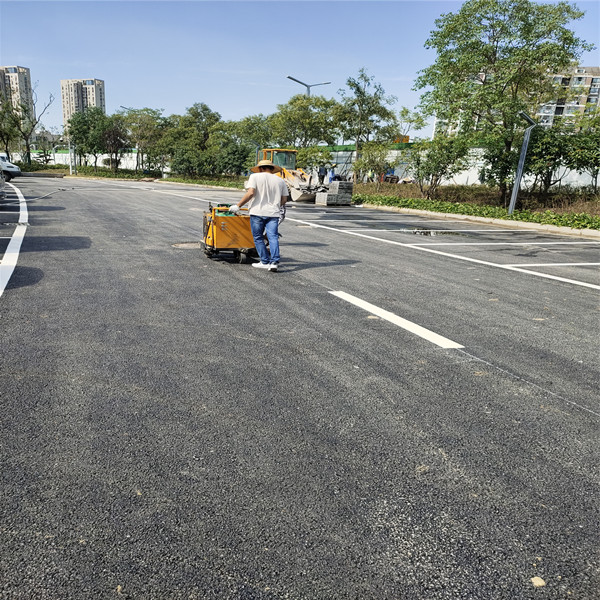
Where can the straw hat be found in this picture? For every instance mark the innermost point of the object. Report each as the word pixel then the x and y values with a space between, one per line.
pixel 266 163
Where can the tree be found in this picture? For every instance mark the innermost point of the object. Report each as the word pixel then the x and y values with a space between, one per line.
pixel 25 121
pixel 115 139
pixel 8 132
pixel 547 156
pixel 409 120
pixel 144 127
pixel 430 162
pixel 304 121
pixel 312 158
pixel 230 153
pixel 256 130
pixel 374 159
pixel 186 141
pixel 584 151
pixel 363 113
pixel 87 132
pixel 493 61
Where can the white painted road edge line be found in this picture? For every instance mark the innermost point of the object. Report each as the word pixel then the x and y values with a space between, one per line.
pixel 430 336
pixel 454 256
pixel 9 261
pixel 23 214
pixel 555 265
pixel 501 243
pixel 11 255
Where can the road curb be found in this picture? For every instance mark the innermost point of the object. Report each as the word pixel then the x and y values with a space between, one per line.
pixel 591 233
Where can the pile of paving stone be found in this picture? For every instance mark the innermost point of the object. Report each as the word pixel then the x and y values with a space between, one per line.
pixel 339 193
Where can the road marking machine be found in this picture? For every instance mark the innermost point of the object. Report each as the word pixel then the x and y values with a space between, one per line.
pixel 224 231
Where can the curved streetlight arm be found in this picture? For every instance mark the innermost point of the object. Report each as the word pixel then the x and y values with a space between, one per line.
pixel 306 85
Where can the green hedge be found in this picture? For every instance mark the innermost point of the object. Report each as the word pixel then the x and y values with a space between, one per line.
pixel 120 174
pixel 547 217
pixel 237 183
pixel 34 167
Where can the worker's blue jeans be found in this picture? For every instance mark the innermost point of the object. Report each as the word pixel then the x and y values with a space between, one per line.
pixel 270 227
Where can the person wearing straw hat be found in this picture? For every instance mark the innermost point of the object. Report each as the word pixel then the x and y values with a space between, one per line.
pixel 266 194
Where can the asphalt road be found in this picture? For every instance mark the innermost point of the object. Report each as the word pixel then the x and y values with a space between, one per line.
pixel 408 410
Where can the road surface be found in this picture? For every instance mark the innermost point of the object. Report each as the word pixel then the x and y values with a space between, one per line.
pixel 407 410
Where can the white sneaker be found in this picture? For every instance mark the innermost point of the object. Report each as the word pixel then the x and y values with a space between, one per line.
pixel 260 265
pixel 273 267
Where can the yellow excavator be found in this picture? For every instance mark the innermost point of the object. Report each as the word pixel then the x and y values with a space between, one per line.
pixel 299 182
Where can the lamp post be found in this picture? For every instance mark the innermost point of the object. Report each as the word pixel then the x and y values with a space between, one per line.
pixel 72 159
pixel 519 174
pixel 306 85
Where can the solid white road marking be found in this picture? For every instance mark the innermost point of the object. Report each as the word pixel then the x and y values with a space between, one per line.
pixel 502 243
pixel 11 255
pixel 555 265
pixel 436 232
pixel 396 320
pixel 23 214
pixel 454 256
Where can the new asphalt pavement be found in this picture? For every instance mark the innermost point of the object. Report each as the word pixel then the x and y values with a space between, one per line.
pixel 407 410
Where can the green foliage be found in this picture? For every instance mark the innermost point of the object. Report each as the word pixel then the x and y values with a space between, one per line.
pixel 186 141
pixel 87 131
pixel 574 220
pixel 546 155
pixel 408 120
pixel 374 159
pixel 304 121
pixel 312 158
pixel 430 162
pixel 109 172
pixel 37 166
pixel 583 153
pixel 493 61
pixel 115 138
pixel 8 130
pixel 256 130
pixel 144 127
pixel 20 121
pixel 364 114
pixel 233 182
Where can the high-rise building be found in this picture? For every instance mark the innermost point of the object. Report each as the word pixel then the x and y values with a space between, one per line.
pixel 79 94
pixel 581 90
pixel 15 87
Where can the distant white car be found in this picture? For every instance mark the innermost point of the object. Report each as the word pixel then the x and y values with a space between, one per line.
pixel 8 169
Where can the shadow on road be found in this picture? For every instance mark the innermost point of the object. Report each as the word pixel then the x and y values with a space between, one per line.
pixel 35 208
pixel 46 244
pixel 25 276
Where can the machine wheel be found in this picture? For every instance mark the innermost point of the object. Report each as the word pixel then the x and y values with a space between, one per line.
pixel 7 176
pixel 241 257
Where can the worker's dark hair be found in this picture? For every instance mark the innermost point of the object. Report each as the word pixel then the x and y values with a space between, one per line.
pixel 266 168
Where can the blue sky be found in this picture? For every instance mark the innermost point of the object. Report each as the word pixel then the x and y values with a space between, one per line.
pixel 232 55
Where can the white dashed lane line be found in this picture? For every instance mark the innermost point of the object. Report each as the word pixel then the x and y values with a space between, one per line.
pixel 426 334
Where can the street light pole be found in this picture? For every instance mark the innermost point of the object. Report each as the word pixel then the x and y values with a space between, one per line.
pixel 519 174
pixel 306 85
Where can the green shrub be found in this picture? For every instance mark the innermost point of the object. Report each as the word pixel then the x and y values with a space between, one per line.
pixel 230 182
pixel 120 174
pixel 36 166
pixel 547 217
